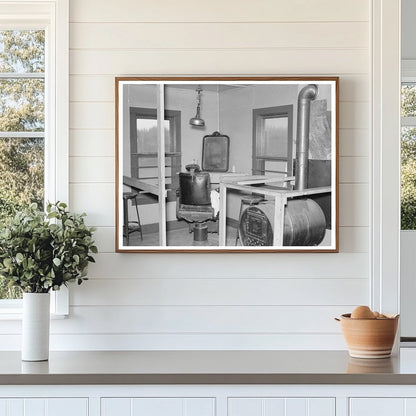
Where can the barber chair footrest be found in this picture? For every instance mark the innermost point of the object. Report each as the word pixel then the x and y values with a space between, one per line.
pixel 200 232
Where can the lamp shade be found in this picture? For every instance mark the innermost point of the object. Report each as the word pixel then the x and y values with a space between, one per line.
pixel 197 121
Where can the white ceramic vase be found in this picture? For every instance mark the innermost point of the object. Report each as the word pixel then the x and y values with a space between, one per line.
pixel 35 326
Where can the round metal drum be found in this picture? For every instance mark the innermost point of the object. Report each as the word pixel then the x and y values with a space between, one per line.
pixel 304 224
pixel 255 227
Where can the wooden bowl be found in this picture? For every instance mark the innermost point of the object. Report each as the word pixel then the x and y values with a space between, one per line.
pixel 369 338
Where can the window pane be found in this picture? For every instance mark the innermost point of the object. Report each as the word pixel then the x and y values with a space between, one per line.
pixel 21 182
pixel 22 51
pixel 408 178
pixel 408 105
pixel 273 167
pixel 22 105
pixel 146 173
pixel 147 136
pixel 274 139
pixel 22 109
pixel 21 173
pixel 7 292
pixel 147 168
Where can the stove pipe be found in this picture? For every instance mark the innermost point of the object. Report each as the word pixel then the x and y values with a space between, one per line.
pixel 306 95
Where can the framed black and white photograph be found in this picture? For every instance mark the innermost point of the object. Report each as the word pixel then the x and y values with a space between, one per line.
pixel 235 164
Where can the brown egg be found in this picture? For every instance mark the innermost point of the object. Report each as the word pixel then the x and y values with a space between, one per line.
pixel 376 314
pixel 362 312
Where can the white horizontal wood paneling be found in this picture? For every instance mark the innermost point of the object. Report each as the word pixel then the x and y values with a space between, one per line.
pixel 354 142
pixel 100 88
pixel 96 199
pixel 185 341
pixel 294 61
pixel 91 115
pixel 94 143
pixel 201 319
pixel 354 87
pixel 354 115
pixel 219 291
pixel 185 301
pixel 306 265
pixel 96 88
pixel 218 11
pixel 86 170
pixel 105 239
pixel 37 11
pixel 353 170
pixel 352 239
pixel 222 35
pixel 354 205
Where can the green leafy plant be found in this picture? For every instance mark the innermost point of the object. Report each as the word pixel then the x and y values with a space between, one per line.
pixel 42 251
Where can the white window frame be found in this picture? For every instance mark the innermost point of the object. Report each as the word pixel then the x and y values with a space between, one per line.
pixel 53 17
pixel 385 184
pixel 408 75
pixel 259 117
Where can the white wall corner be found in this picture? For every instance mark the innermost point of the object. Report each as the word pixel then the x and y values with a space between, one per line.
pixel 385 258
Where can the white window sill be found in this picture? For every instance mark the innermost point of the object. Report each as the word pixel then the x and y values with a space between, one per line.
pixel 11 309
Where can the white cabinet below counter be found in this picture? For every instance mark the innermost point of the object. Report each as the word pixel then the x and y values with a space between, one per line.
pixel 44 407
pixel 157 406
pixel 236 406
pixel 273 406
pixel 391 406
pixel 208 400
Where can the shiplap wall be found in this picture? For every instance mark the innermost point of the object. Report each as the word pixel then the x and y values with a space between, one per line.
pixel 214 301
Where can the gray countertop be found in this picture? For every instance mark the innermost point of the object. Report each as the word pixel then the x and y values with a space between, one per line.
pixel 208 367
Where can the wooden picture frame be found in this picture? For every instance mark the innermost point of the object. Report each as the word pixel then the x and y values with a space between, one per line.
pixel 280 191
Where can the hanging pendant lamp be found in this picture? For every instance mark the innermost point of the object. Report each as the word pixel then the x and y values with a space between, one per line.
pixel 197 121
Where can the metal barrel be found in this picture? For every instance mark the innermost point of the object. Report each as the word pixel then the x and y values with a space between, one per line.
pixel 304 224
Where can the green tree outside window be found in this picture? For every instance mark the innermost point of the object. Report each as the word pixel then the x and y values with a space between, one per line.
pixel 22 115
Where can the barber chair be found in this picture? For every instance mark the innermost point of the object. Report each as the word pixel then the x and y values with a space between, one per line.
pixel 193 203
